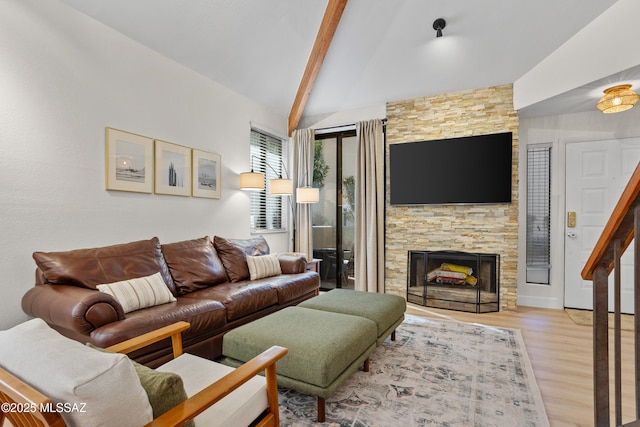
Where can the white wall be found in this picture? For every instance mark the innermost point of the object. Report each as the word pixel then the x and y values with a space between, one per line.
pixel 595 52
pixel 560 130
pixel 65 77
pixel 342 118
pixel 607 45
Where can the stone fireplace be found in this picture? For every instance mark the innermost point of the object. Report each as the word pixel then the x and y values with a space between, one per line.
pixel 474 228
pixel 454 280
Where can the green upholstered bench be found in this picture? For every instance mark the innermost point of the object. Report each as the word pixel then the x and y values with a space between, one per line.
pixel 324 348
pixel 386 310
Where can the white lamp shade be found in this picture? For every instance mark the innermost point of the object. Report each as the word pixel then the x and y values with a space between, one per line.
pixel 281 187
pixel 307 195
pixel 251 181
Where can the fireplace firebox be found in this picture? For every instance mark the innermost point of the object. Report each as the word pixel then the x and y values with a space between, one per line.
pixel 454 280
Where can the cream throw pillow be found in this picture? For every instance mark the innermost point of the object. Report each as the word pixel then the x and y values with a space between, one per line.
pixel 263 266
pixel 139 293
pixel 92 388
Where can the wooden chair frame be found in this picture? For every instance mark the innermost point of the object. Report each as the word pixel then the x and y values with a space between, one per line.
pixel 19 395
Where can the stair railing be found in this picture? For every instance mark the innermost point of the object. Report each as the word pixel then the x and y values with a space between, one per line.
pixel 622 228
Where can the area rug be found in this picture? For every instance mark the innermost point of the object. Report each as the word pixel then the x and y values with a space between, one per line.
pixel 437 373
pixel 585 318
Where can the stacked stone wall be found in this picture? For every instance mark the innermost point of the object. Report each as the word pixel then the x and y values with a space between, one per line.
pixel 473 228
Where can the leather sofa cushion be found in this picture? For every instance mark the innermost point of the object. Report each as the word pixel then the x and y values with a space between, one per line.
pixel 205 317
pixel 194 264
pixel 292 286
pixel 90 267
pixel 292 264
pixel 233 253
pixel 240 299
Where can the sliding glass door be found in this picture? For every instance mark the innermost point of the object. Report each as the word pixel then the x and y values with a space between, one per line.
pixel 333 219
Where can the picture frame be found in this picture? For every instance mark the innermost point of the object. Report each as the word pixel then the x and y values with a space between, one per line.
pixel 172 169
pixel 207 174
pixel 129 161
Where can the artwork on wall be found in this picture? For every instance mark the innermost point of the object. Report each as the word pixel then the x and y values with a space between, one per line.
pixel 172 169
pixel 206 169
pixel 129 165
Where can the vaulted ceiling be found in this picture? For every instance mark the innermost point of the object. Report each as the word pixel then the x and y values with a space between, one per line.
pixel 382 50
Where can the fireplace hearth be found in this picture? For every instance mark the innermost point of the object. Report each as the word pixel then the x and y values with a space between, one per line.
pixel 463 281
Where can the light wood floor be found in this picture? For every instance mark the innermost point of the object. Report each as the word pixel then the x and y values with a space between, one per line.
pixel 561 354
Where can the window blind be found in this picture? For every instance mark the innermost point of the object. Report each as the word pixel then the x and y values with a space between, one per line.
pixel 538 213
pixel 266 157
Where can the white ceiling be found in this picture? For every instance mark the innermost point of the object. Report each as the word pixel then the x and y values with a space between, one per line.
pixel 383 50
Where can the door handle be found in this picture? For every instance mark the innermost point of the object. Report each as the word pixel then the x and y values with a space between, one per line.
pixel 571 235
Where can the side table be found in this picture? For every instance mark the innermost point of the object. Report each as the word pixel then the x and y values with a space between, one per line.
pixel 314 265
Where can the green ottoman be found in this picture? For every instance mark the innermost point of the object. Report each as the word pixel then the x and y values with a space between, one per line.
pixel 324 348
pixel 386 310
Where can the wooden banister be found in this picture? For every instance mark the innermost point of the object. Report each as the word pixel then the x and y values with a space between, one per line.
pixel 621 229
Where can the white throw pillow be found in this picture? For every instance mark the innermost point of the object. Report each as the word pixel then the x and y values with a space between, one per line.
pixel 139 293
pixel 263 266
pixel 88 387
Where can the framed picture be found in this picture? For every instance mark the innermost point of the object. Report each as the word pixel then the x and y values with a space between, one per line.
pixel 129 160
pixel 173 169
pixel 206 174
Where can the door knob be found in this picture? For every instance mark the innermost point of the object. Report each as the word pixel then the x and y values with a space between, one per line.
pixel 571 234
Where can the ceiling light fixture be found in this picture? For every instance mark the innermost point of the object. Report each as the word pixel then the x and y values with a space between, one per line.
pixel 618 98
pixel 439 25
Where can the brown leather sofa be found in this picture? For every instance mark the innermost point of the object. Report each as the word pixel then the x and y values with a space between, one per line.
pixel 210 280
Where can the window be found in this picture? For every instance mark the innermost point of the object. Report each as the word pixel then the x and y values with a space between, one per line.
pixel 538 213
pixel 267 153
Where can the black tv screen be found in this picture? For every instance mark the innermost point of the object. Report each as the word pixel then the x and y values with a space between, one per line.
pixel 474 169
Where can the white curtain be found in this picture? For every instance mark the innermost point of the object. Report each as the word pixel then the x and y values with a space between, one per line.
pixel 369 234
pixel 303 148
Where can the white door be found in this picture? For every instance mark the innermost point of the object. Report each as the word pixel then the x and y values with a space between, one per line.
pixel 596 174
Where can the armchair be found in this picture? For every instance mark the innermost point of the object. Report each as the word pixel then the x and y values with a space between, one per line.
pixel 23 405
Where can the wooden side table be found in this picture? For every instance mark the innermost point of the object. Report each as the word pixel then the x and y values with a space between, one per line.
pixel 314 265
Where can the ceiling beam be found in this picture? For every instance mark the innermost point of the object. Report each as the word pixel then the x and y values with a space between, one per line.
pixel 330 22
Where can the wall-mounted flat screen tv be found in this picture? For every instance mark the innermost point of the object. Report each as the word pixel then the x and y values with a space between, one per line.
pixel 466 170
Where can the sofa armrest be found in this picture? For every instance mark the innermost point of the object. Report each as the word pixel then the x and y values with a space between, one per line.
pixel 72 308
pixel 199 402
pixel 292 264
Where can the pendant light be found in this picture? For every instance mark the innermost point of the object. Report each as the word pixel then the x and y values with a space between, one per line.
pixel 618 98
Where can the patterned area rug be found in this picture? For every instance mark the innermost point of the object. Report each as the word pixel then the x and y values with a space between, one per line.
pixel 437 373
